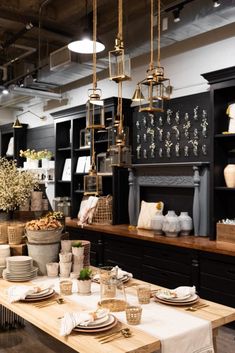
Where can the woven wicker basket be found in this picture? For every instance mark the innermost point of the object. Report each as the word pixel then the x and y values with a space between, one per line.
pixel 3 233
pixel 15 234
pixel 103 213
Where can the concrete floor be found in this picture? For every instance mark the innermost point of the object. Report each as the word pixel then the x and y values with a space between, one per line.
pixel 32 340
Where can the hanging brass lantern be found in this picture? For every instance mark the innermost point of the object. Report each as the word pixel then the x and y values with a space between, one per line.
pixel 93 183
pixel 94 120
pixel 119 63
pixel 95 110
pixel 155 88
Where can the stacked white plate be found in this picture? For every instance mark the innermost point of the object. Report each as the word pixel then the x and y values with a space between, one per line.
pixel 104 321
pixel 171 297
pixel 19 269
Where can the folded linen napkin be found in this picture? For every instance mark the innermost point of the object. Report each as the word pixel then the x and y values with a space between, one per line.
pixel 120 274
pixel 179 292
pixel 82 318
pixel 16 293
pixel 71 320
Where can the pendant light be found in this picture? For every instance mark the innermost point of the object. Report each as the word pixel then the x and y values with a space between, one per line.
pixel 17 124
pixel 119 69
pixel 84 43
pixel 95 120
pixel 95 105
pixel 152 91
pixel 119 62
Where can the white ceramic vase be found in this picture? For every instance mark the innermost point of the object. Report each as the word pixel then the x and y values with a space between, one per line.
pixel 171 224
pixel 157 222
pixel 229 175
pixel 186 223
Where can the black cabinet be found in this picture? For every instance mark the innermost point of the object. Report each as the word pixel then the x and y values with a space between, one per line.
pixel 124 252
pixel 217 278
pixel 222 94
pixel 18 138
pixel 167 266
pixel 73 144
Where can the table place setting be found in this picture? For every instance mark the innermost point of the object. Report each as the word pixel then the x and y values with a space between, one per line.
pixel 116 271
pixel 30 293
pixel 179 296
pixel 87 321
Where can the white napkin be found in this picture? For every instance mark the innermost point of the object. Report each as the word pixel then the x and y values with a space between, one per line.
pixel 82 318
pixel 121 273
pixel 179 292
pixel 71 320
pixel 16 293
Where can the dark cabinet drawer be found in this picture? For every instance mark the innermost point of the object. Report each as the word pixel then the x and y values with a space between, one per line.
pixel 217 268
pixel 123 247
pixel 164 278
pixel 168 258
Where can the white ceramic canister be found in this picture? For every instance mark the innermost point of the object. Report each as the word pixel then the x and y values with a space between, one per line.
pixel 171 224
pixel 157 222
pixel 229 175
pixel 186 223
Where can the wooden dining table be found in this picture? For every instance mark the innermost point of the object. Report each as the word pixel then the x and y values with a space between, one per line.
pixel 48 319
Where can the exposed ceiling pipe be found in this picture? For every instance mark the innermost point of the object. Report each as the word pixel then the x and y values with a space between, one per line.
pixel 44 3
pixel 16 36
pixel 29 50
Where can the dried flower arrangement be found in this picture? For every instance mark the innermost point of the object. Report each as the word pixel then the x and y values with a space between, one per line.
pixel 33 154
pixel 15 185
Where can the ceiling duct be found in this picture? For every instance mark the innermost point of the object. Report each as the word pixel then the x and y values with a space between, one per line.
pixel 24 91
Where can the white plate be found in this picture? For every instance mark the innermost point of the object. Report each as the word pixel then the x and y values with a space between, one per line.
pixel 98 321
pixel 191 299
pixel 42 293
pixel 19 259
pixel 107 322
pixel 182 298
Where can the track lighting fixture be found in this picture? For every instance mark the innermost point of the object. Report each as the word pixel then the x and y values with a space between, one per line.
pixel 216 3
pixel 17 124
pixel 176 15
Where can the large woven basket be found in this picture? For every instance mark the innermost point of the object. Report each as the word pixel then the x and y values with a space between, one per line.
pixel 103 212
pixel 44 236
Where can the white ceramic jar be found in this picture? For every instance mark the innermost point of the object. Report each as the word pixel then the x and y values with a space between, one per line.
pixel 157 222
pixel 229 175
pixel 186 223
pixel 171 225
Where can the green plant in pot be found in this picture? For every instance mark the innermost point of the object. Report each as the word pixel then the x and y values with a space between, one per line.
pixel 78 249
pixel 84 281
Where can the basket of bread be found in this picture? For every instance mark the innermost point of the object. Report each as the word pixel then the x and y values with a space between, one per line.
pixel 43 231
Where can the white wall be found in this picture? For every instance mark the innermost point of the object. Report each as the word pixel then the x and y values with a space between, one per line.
pixel 184 63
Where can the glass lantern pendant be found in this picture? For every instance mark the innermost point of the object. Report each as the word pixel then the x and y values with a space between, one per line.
pixel 119 63
pixel 154 90
pixel 95 110
pixel 92 183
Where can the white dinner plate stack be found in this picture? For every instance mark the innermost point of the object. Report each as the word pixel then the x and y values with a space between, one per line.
pixel 19 269
pixel 179 297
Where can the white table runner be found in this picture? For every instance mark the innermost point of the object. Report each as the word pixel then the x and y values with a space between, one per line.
pixel 179 332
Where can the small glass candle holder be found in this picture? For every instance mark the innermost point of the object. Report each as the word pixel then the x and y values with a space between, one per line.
pixel 66 287
pixel 144 293
pixel 133 314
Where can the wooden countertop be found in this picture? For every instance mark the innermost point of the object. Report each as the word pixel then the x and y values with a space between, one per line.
pixel 191 242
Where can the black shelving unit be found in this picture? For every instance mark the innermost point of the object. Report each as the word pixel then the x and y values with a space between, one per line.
pixel 68 126
pixel 222 93
pixel 20 141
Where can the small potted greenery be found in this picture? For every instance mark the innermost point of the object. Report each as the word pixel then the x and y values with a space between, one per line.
pixel 84 281
pixel 77 248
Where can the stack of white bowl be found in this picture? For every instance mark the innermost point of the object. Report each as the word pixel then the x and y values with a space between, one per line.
pixel 4 253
